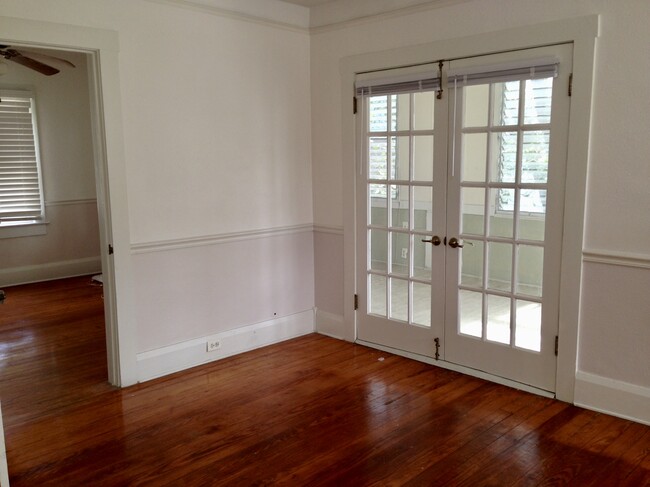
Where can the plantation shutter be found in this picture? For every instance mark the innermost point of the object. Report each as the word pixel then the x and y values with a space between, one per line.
pixel 20 181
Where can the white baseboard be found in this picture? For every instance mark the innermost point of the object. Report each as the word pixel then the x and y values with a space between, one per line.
pixel 181 356
pixel 613 397
pixel 330 324
pixel 47 272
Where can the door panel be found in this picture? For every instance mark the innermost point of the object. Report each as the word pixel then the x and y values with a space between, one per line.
pixel 401 200
pixel 502 284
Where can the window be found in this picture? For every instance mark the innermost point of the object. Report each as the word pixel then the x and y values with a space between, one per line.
pixel 21 189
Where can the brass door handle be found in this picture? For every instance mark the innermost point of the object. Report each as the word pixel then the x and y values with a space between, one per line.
pixel 454 243
pixel 435 240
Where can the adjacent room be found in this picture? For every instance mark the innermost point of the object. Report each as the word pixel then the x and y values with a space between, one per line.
pixel 333 242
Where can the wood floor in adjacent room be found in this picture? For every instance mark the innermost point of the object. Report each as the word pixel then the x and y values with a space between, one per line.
pixel 308 412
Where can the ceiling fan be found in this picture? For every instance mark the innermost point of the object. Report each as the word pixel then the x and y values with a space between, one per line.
pixel 29 60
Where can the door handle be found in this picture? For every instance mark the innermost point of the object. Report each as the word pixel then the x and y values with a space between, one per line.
pixel 454 243
pixel 435 240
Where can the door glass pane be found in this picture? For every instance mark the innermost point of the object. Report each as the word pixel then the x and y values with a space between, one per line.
pixel 534 157
pixel 422 208
pixel 399 299
pixel 423 158
pixel 378 251
pixel 501 222
pixel 504 157
pixel 472 264
pixel 473 210
pixel 530 269
pixel 401 113
pixel 532 201
pixel 422 304
pixel 505 100
pixel 377 294
pixel 470 313
pixel 378 210
pixel 538 100
pixel 422 257
pixel 423 104
pixel 399 167
pixel 476 106
pixel 532 226
pixel 400 206
pixel 499 266
pixel 474 157
pixel 498 319
pixel 528 333
pixel 400 261
pixel 378 114
pixel 377 158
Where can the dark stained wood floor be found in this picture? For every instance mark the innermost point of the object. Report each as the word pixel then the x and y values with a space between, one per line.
pixel 311 411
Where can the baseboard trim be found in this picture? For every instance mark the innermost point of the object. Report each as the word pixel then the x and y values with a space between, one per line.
pixel 14 276
pixel 329 324
pixel 181 356
pixel 459 368
pixel 627 401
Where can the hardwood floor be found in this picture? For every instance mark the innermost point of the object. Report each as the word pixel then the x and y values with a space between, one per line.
pixel 311 411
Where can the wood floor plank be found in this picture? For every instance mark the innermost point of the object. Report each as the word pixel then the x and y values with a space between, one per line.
pixel 311 411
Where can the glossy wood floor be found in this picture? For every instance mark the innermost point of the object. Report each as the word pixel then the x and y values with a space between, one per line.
pixel 311 411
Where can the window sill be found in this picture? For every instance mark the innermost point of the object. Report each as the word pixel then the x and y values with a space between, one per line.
pixel 23 229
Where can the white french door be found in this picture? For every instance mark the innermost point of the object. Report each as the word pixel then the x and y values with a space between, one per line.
pixel 460 210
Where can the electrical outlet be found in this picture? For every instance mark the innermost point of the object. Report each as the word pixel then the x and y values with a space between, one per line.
pixel 405 253
pixel 214 345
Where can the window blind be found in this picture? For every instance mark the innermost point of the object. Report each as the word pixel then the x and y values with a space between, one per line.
pixel 395 85
pixel 530 69
pixel 20 182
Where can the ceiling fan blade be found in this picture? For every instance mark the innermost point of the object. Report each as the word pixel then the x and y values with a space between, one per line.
pixel 31 63
pixel 47 58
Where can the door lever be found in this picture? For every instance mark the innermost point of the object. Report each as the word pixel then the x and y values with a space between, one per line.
pixel 454 243
pixel 435 240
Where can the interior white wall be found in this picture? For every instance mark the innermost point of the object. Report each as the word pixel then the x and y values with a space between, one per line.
pixel 72 235
pixel 216 126
pixel 616 188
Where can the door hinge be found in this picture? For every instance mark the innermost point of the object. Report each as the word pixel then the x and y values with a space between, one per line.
pixel 571 84
pixel 356 302
pixel 557 345
pixel 354 104
pixel 110 249
pixel 437 342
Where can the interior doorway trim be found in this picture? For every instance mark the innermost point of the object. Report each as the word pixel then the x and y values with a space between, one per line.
pixel 102 47
pixel 582 32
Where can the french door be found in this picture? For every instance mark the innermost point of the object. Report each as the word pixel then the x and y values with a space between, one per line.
pixel 460 210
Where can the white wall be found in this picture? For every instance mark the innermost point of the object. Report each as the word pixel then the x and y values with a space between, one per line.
pixel 616 226
pixel 216 126
pixel 71 243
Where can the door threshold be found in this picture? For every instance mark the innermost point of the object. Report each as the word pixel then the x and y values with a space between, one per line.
pixel 460 368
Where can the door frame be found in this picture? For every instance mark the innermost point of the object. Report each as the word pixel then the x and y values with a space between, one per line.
pixel 582 32
pixel 102 48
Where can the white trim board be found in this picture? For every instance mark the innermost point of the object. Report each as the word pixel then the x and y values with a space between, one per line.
pixel 459 368
pixel 183 243
pixel 625 259
pixel 14 276
pixel 329 324
pixel 627 401
pixel 175 358
pixel 4 472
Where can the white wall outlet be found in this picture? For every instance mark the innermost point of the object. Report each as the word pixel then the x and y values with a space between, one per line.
pixel 405 253
pixel 214 345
